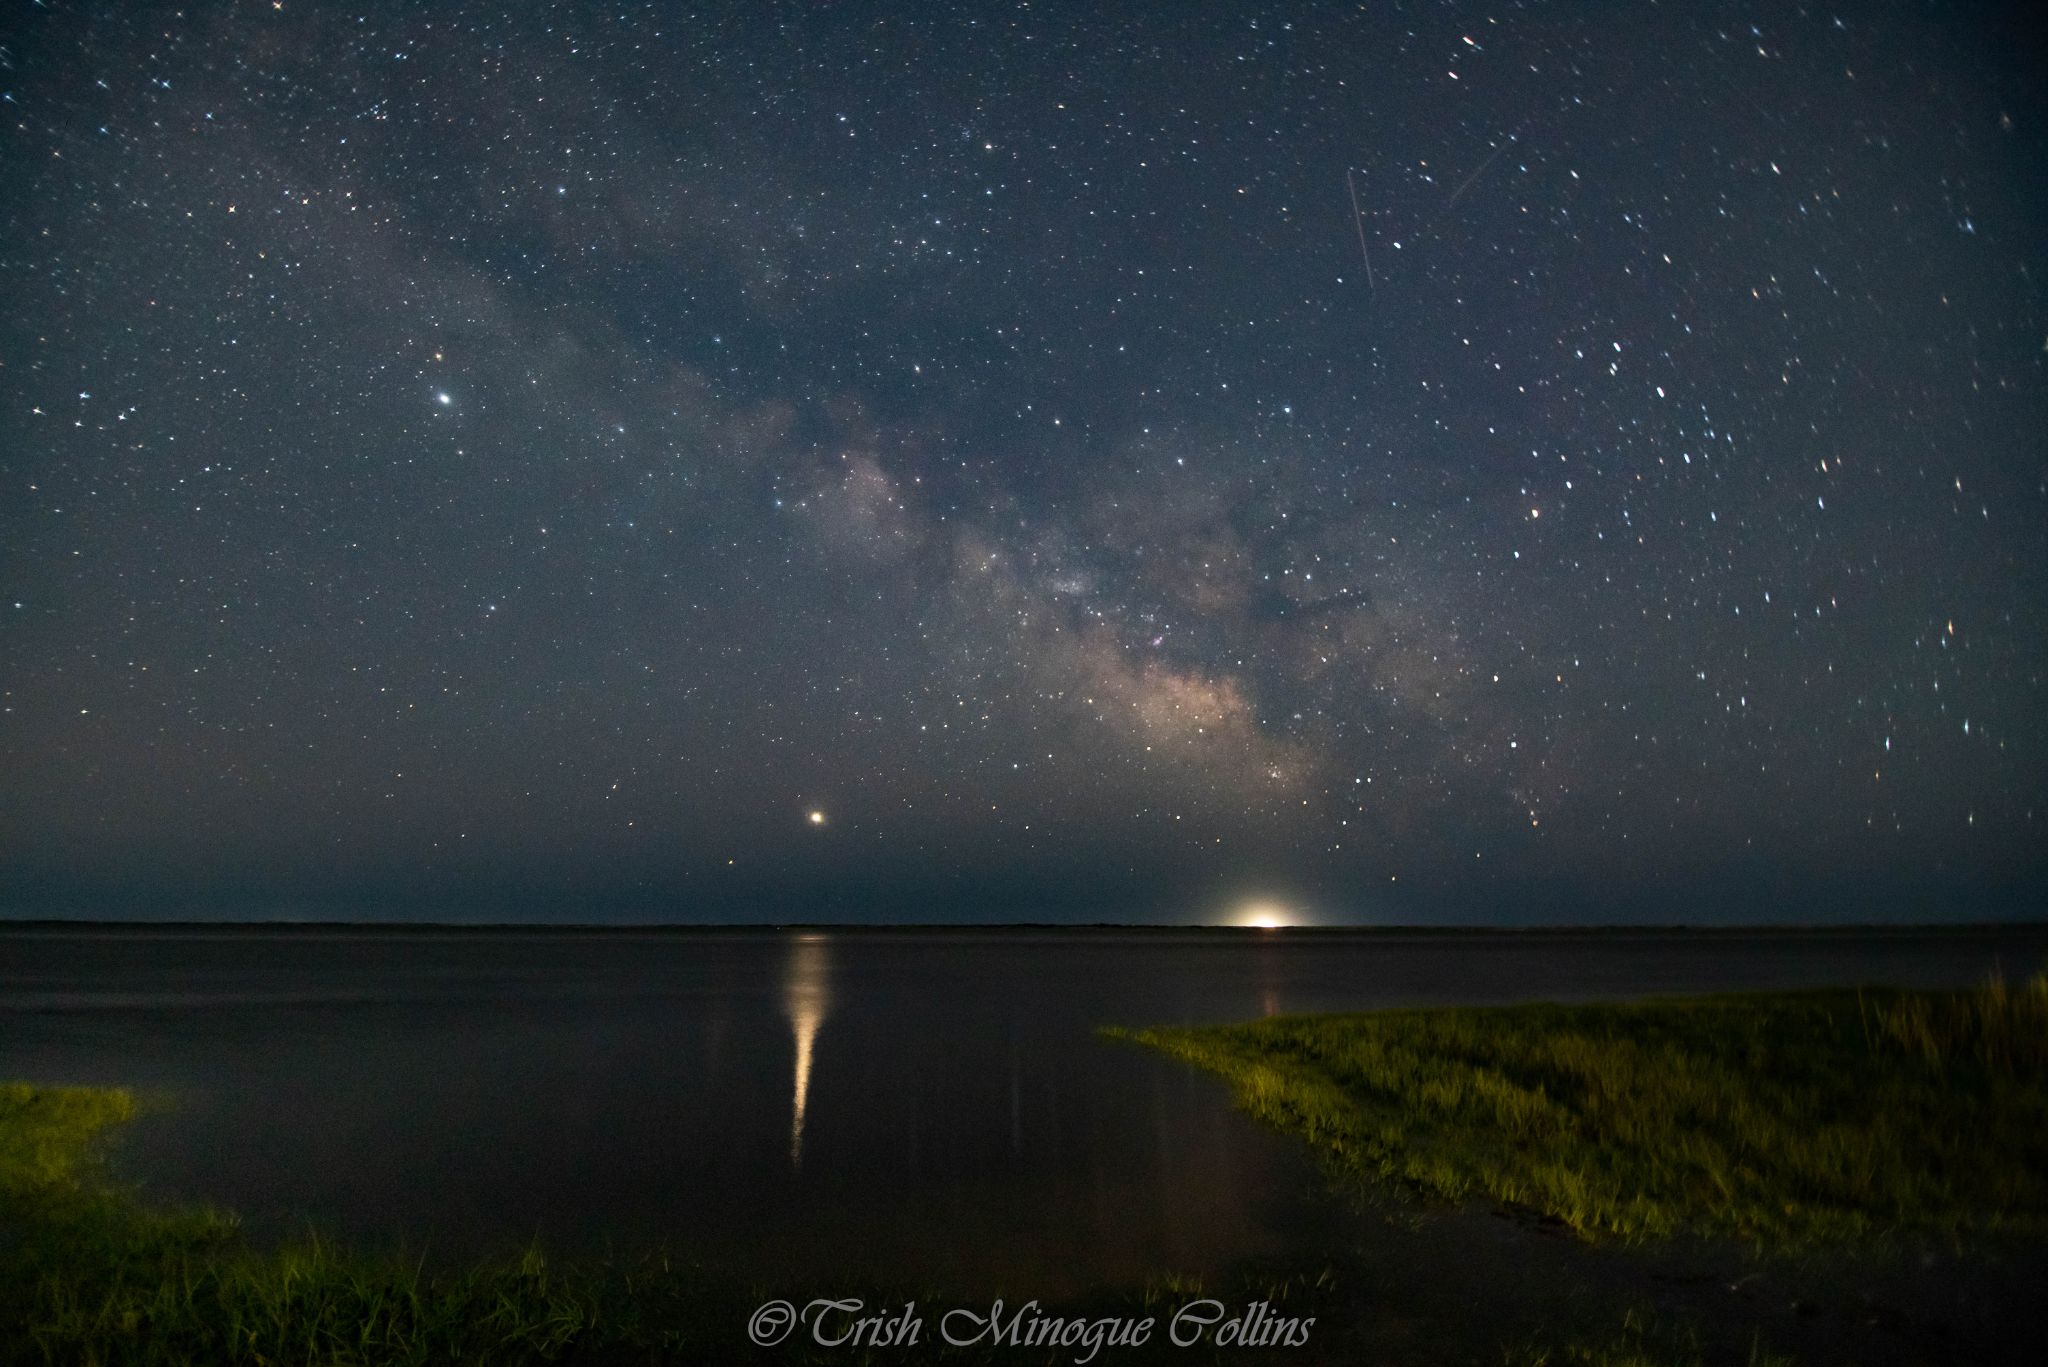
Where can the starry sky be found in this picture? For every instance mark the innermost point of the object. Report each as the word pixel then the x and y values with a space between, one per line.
pixel 1413 462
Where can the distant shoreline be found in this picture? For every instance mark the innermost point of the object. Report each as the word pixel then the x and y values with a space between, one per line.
pixel 862 929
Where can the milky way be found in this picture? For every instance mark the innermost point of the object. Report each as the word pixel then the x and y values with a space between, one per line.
pixel 952 464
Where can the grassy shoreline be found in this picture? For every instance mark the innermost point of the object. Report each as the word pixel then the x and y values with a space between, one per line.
pixel 91 1275
pixel 1778 1118
pixel 1775 1118
pixel 94 1276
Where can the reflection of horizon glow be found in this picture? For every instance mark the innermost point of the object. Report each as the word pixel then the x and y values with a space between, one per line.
pixel 806 997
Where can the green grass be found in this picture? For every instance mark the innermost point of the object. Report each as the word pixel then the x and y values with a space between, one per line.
pixel 87 1275
pixel 91 1276
pixel 1781 1118
pixel 46 1133
pixel 1640 1342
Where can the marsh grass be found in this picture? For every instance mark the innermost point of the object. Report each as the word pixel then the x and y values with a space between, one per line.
pixel 92 1276
pixel 1784 1117
pixel 1780 1118
pixel 1641 1341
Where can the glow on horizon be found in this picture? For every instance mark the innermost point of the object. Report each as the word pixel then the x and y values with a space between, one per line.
pixel 1265 916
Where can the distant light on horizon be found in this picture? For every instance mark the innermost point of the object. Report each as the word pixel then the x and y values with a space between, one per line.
pixel 1265 916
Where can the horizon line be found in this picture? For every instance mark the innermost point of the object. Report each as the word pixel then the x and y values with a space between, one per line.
pixel 8 923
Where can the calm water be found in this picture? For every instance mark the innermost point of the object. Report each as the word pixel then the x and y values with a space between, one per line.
pixel 923 1106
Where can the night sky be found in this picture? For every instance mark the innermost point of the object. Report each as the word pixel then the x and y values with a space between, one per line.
pixel 971 463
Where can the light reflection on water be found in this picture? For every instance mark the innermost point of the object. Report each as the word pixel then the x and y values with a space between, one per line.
pixel 806 996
